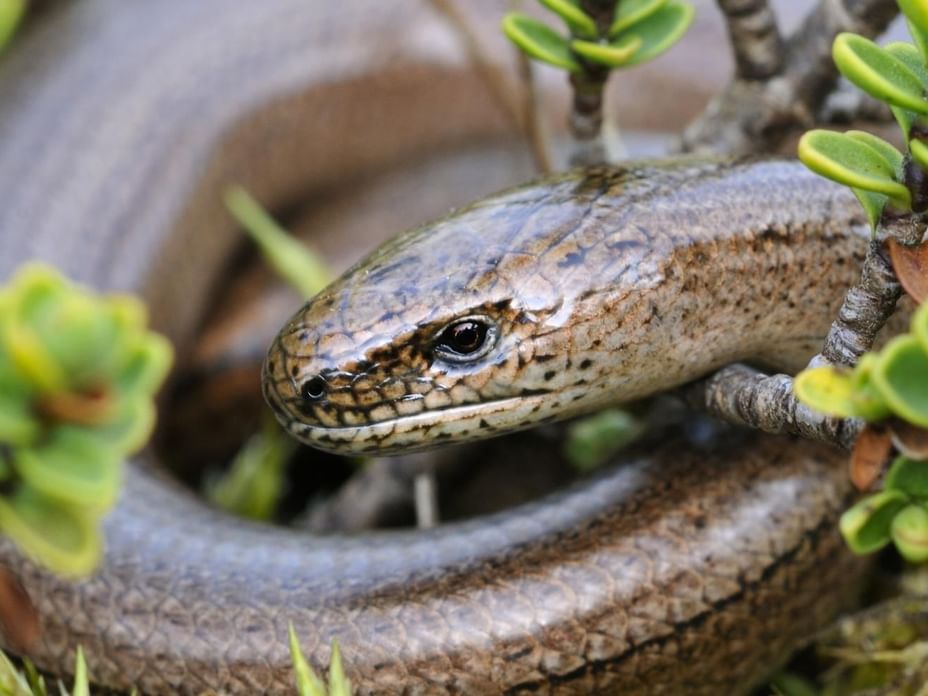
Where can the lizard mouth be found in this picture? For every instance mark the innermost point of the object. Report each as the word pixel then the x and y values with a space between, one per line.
pixel 425 430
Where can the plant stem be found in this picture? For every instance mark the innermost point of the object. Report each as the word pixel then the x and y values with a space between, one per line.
pixel 755 38
pixel 865 310
pixel 523 113
pixel 745 396
pixel 756 115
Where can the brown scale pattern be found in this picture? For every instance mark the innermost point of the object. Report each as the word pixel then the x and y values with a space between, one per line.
pixel 684 571
pixel 604 285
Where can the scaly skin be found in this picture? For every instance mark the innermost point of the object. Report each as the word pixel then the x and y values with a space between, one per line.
pixel 119 124
pixel 601 286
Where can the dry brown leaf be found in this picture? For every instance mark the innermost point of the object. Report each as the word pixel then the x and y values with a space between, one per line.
pixel 911 266
pixel 19 620
pixel 870 457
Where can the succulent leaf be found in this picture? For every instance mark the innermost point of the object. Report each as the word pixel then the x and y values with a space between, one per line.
pixel 580 23
pixel 827 390
pixel 613 55
pixel 852 162
pixel 74 466
pixel 11 12
pixel 916 14
pixel 658 30
pixel 901 376
pixel 539 41
pixel 64 538
pixel 909 55
pixel 919 151
pixel 867 526
pixel 908 476
pixel 878 72
pixel 77 376
pixel 630 11
pixel 910 533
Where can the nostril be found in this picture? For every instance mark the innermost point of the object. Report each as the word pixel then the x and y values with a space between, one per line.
pixel 313 389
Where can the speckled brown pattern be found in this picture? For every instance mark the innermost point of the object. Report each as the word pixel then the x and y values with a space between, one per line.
pixel 603 285
pixel 684 572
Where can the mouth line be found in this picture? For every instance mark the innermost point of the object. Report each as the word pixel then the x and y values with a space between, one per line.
pixel 462 415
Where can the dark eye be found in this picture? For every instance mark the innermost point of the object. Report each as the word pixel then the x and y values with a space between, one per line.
pixel 464 340
pixel 313 389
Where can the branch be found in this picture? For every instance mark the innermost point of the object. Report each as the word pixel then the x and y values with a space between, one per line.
pixel 754 37
pixel 744 396
pixel 865 310
pixel 753 116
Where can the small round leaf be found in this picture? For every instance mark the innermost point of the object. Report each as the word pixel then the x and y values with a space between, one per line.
pixel 878 72
pixel 658 30
pixel 63 538
pixel 630 11
pixel 11 12
pixel 908 476
pixel 909 55
pixel 851 162
pixel 580 22
pixel 916 14
pixel 827 390
pixel 920 325
pixel 866 527
pixel 73 466
pixel 901 376
pixel 910 533
pixel 613 55
pixel 539 41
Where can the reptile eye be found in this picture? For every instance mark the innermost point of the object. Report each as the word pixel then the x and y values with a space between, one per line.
pixel 313 389
pixel 465 340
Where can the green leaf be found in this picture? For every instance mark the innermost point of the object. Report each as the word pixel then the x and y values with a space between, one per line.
pixel 909 55
pixel 62 538
pixel 338 682
pixel 920 326
pixel 628 12
pixel 307 683
pixel 851 162
pixel 901 376
pixel 289 258
pixel 18 423
pixel 869 403
pixel 916 14
pixel 592 441
pixel 867 526
pixel 659 30
pixel 887 150
pixel 919 151
pixel 73 466
pixel 146 366
pixel 131 427
pixel 11 12
pixel 580 23
pixel 81 685
pixel 78 335
pixel 873 205
pixel 908 476
pixel 539 41
pixel 826 390
pixel 910 533
pixel 12 682
pixel 252 485
pixel 613 55
pixel 878 72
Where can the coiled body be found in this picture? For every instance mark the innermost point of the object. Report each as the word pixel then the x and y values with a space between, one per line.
pixel 680 570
